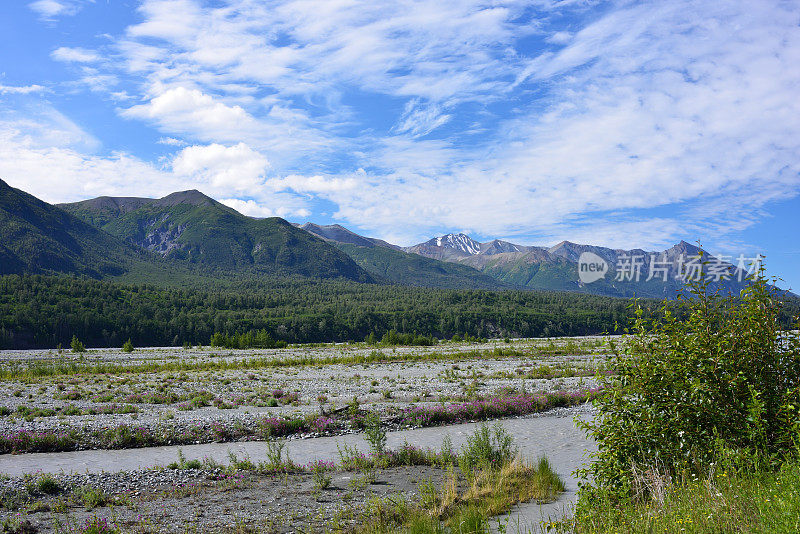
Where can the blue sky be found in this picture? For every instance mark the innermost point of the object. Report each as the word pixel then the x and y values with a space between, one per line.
pixel 624 124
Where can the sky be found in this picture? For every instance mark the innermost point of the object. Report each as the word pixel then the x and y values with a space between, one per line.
pixel 621 124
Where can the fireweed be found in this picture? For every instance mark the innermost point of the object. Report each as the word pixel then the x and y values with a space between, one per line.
pixel 128 436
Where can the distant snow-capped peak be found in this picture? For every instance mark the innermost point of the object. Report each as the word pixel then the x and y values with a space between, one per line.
pixel 461 242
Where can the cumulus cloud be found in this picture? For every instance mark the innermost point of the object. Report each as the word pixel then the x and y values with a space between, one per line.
pixel 252 208
pixel 44 154
pixel 237 167
pixel 193 112
pixel 53 168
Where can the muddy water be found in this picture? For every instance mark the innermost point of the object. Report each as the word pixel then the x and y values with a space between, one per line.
pixel 554 435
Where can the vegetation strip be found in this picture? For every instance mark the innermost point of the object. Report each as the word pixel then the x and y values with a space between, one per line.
pixel 126 436
pixel 483 479
pixel 37 369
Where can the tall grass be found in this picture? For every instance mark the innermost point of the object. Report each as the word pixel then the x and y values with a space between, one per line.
pixel 497 479
pixel 446 511
pixel 722 502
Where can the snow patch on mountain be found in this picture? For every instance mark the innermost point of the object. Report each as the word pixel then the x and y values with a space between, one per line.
pixel 461 242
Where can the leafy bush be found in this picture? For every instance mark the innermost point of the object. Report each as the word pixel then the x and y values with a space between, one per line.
pixel 93 497
pixel 375 434
pixel 707 374
pixel 76 345
pixel 48 485
pixel 321 479
pixel 127 346
pixel 723 501
pixel 486 449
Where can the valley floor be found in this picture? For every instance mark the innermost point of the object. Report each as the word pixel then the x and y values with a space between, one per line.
pixel 209 403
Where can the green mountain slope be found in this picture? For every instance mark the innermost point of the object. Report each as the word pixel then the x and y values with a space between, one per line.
pixel 413 270
pixel 560 274
pixel 193 228
pixel 36 237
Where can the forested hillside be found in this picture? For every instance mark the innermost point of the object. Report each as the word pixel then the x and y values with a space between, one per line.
pixel 44 311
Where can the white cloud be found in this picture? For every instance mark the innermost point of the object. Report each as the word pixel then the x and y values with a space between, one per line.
pixel 43 127
pixel 313 184
pixel 236 167
pixel 171 141
pixel 21 89
pixel 191 111
pixel 74 55
pixel 49 9
pixel 43 155
pixel 332 43
pixel 248 207
pixel 61 173
pixel 704 122
pixel 252 208
pixel 420 120
pixel 561 38
pixel 268 206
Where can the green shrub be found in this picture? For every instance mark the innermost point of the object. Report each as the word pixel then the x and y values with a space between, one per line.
pixel 76 345
pixel 48 485
pixel 93 497
pixel 321 478
pixel 127 346
pixel 375 434
pixel 723 501
pixel 706 374
pixel 486 449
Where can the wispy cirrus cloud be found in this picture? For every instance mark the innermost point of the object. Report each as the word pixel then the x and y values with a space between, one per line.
pixel 50 9
pixel 420 120
pixel 75 55
pixel 21 89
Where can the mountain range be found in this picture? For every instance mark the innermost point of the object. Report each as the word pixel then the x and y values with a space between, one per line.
pixel 636 272
pixel 189 232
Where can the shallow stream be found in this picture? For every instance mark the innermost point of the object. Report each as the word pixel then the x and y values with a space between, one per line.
pixel 553 434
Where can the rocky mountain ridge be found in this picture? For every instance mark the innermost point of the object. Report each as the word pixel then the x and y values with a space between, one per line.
pixel 106 236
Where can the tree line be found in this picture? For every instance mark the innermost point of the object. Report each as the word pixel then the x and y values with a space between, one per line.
pixel 46 311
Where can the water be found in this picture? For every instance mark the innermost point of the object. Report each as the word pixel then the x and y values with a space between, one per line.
pixel 552 435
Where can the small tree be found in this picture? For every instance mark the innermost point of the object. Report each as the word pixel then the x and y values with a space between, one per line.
pixel 127 346
pixel 76 345
pixel 706 374
pixel 375 434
